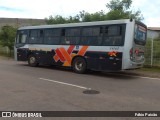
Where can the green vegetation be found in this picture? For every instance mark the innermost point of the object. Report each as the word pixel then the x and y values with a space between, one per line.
pixel 7 37
pixel 118 9
pixel 150 69
pixel 121 10
pixel 156 52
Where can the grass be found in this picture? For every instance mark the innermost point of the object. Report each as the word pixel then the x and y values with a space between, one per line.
pixel 7 55
pixel 150 69
pixel 156 52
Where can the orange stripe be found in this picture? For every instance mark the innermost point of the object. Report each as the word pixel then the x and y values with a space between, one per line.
pixel 56 58
pixel 60 55
pixel 70 49
pixel 66 55
pixel 66 64
pixel 83 50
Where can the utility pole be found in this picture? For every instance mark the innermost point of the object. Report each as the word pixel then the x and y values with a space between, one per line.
pixel 152 50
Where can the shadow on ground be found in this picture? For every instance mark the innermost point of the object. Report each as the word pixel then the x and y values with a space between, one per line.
pixel 116 75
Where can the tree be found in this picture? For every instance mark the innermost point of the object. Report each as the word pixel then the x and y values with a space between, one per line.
pixel 121 10
pixel 73 19
pixel 55 20
pixel 58 19
pixel 81 17
pixel 118 9
pixel 87 17
pixel 7 37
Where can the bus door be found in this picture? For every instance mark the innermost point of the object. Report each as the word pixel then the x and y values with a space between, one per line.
pixel 20 42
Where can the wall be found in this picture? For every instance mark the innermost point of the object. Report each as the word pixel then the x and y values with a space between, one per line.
pixel 19 22
pixel 152 33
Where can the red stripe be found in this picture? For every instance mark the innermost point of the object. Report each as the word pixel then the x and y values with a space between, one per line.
pixel 70 49
pixel 58 52
pixel 66 55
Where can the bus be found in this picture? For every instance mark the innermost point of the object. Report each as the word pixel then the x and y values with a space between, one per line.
pixel 112 45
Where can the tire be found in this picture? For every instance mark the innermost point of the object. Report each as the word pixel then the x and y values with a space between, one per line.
pixel 32 61
pixel 79 65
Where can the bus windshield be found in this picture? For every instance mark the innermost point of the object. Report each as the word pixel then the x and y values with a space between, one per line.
pixel 140 34
pixel 21 37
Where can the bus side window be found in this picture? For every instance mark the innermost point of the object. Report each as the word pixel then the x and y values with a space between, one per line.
pixel 107 41
pixel 116 41
pixel 92 36
pixel 36 36
pixel 63 39
pixel 63 32
pixel 101 30
pixel 113 35
pixel 71 36
pixel 52 36
pixel 114 30
pixel 41 33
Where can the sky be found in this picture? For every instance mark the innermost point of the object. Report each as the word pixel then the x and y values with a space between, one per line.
pixel 41 9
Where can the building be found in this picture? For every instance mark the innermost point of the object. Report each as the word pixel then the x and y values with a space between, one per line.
pixel 20 22
pixel 153 32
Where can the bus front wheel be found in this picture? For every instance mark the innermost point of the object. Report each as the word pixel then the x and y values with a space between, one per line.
pixel 32 61
pixel 79 65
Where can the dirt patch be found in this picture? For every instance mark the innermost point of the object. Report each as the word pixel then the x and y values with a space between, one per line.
pixel 6 58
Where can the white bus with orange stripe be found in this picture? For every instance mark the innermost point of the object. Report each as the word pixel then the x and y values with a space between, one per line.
pixel 101 46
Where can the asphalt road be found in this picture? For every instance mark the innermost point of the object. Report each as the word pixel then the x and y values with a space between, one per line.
pixel 24 88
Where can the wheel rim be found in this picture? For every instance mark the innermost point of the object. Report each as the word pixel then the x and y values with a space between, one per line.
pixel 79 65
pixel 32 60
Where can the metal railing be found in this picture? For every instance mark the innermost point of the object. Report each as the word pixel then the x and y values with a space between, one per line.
pixel 152 52
pixel 4 50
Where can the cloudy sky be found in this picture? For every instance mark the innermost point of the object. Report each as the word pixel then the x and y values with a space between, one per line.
pixel 44 8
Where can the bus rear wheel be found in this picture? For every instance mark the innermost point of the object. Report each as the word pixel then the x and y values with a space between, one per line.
pixel 79 65
pixel 32 61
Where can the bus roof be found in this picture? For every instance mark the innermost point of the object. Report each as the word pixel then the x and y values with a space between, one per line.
pixel 76 24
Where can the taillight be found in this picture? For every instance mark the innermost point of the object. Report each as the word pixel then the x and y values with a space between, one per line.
pixel 131 51
pixel 136 51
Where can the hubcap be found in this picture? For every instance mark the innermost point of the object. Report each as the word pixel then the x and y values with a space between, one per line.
pixel 32 60
pixel 79 65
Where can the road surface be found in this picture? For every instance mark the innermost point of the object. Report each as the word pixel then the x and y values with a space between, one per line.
pixel 24 88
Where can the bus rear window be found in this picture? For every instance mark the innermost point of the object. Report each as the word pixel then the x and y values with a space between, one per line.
pixel 140 34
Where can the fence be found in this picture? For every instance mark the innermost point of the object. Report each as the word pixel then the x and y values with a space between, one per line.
pixel 4 50
pixel 152 52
